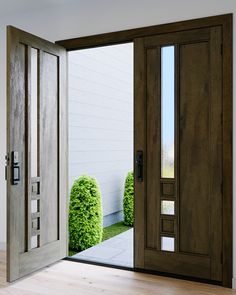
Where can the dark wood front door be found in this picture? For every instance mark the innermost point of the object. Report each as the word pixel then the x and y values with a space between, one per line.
pixel 178 145
pixel 37 154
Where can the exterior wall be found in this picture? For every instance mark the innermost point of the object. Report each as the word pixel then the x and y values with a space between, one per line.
pixel 101 121
pixel 88 17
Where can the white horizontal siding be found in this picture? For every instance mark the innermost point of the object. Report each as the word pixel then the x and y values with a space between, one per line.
pixel 98 156
pixel 90 133
pixel 99 145
pixel 100 122
pixel 101 119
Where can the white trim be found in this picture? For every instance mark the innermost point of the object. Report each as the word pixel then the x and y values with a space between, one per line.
pixel 234 283
pixel 3 246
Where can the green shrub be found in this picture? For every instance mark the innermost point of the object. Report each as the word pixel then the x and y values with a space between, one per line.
pixel 128 200
pixel 85 214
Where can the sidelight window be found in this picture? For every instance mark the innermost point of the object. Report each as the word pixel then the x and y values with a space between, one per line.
pixel 167 111
pixel 34 113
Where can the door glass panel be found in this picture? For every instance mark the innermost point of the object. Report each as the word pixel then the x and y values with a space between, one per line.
pixel 34 112
pixel 168 207
pixel 167 111
pixel 168 244
pixel 34 242
pixel 34 206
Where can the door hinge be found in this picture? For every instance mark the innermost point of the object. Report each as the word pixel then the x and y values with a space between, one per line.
pixel 221 49
pixel 221 257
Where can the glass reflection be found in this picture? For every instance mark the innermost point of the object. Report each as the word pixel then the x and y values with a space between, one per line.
pixel 167 111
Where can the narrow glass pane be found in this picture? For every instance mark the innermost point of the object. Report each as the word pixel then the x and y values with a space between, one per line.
pixel 34 242
pixel 168 207
pixel 168 244
pixel 167 111
pixel 34 112
pixel 34 206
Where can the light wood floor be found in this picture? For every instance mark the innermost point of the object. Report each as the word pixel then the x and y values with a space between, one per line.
pixel 72 278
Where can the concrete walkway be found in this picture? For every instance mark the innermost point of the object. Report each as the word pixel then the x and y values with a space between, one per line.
pixel 114 251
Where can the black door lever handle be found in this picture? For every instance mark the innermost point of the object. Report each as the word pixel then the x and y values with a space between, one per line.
pixel 139 166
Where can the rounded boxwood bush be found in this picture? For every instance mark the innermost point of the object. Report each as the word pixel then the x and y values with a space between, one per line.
pixel 85 214
pixel 128 200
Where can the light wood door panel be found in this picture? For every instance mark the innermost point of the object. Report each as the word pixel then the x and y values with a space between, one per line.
pixel 196 188
pixel 37 131
pixel 49 148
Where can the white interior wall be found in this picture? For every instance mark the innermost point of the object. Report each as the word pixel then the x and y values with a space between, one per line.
pixel 91 17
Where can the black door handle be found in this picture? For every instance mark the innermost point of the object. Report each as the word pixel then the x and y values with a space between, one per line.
pixel 15 168
pixel 139 166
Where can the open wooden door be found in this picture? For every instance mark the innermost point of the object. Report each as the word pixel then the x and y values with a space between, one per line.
pixel 179 152
pixel 37 153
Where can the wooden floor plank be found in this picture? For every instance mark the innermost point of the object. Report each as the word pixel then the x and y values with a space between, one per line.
pixel 70 278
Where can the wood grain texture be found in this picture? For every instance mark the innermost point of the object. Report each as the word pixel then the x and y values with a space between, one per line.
pixel 167 226
pixel 63 152
pixel 216 145
pixel 130 35
pixel 75 278
pixel 198 234
pixel 227 154
pixel 52 94
pixel 49 149
pixel 15 142
pixel 225 22
pixel 153 134
pixel 197 266
pixel 139 145
pixel 194 150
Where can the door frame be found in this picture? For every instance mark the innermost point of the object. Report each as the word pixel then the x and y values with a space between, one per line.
pixel 225 21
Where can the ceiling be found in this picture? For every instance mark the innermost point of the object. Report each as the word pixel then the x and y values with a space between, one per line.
pixel 20 6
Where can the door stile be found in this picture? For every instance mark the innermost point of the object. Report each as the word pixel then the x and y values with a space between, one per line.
pixel 63 152
pixel 153 136
pixel 177 154
pixel 139 145
pixel 216 138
